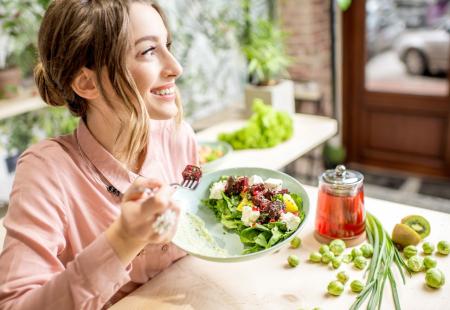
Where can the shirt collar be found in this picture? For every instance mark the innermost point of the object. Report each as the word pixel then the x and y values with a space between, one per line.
pixel 104 162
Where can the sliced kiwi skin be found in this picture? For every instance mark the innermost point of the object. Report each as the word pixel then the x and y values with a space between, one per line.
pixel 403 235
pixel 419 224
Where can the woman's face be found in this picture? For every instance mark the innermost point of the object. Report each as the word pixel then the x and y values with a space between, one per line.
pixel 151 64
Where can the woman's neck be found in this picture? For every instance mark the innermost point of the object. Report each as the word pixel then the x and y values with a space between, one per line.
pixel 105 129
pixel 104 132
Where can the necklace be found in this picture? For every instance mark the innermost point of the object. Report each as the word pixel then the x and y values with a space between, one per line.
pixel 98 176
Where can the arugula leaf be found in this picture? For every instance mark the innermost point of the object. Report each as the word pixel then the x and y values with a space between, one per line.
pixel 261 240
pixel 276 236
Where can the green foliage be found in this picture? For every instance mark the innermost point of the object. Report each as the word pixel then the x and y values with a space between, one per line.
pixel 262 42
pixel 344 4
pixel 265 51
pixel 21 131
pixel 333 155
pixel 20 20
pixel 265 128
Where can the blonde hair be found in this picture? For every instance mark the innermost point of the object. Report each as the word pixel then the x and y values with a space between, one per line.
pixel 94 34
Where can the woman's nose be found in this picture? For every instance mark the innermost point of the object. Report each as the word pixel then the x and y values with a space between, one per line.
pixel 172 67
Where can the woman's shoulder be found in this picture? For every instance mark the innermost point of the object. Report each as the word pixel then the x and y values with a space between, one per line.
pixel 51 150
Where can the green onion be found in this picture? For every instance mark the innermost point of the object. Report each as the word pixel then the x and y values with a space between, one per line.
pixel 380 269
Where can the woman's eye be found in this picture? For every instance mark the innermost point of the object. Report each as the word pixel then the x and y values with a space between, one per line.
pixel 168 45
pixel 149 50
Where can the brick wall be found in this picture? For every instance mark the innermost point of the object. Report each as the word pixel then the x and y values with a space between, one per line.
pixel 308 23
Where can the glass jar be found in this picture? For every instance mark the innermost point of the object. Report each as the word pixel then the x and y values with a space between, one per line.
pixel 340 206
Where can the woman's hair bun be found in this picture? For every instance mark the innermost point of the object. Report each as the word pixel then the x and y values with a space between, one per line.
pixel 47 88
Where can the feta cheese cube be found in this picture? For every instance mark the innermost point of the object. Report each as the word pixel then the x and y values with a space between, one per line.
pixel 292 221
pixel 216 190
pixel 255 179
pixel 273 184
pixel 249 216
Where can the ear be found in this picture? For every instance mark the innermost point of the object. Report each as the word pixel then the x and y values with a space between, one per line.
pixel 84 84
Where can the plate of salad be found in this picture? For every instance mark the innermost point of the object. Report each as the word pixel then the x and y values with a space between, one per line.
pixel 240 214
pixel 212 154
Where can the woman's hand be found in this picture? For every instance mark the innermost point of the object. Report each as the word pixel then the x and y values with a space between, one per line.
pixel 134 228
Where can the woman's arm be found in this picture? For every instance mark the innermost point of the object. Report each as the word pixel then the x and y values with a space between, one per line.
pixel 31 274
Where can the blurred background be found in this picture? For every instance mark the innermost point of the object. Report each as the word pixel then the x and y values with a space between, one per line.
pixel 380 67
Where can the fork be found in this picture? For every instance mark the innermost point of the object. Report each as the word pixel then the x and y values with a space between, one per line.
pixel 191 177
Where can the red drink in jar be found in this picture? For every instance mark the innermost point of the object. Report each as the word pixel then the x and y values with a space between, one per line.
pixel 340 206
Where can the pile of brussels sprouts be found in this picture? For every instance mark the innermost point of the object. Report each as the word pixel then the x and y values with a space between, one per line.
pixel 434 277
pixel 333 254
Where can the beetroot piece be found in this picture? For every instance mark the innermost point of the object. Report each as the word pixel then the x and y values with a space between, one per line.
pixel 235 186
pixel 192 172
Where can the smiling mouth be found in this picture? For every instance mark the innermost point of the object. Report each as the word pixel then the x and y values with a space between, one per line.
pixel 166 92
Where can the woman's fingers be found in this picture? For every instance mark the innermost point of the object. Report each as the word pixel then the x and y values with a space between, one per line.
pixel 141 188
pixel 160 199
pixel 165 223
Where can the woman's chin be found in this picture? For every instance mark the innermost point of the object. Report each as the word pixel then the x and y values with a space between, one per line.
pixel 163 113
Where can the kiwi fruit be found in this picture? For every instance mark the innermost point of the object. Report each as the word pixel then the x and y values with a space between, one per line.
pixel 419 224
pixel 403 235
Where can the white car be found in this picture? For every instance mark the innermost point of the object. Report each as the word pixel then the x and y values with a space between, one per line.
pixel 426 50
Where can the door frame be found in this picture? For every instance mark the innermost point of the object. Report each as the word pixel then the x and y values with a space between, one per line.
pixel 356 99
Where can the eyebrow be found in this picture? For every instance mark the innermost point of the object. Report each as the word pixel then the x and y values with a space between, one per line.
pixel 151 38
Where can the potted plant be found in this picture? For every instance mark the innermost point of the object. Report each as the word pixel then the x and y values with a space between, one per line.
pixel 333 155
pixel 19 24
pixel 263 45
pixel 19 132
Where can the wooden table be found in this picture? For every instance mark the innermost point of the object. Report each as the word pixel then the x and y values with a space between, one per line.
pixel 310 131
pixel 268 282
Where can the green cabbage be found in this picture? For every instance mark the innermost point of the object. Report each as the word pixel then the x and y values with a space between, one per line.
pixel 265 128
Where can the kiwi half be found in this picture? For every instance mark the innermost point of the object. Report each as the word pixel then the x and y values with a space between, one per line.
pixel 403 235
pixel 419 224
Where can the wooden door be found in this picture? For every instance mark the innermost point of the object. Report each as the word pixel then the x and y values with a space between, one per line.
pixel 401 122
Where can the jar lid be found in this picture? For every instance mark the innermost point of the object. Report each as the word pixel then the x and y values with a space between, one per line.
pixel 342 176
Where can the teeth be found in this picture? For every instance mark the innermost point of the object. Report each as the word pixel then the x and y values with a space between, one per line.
pixel 167 91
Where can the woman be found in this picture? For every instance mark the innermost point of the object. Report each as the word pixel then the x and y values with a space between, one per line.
pixel 81 229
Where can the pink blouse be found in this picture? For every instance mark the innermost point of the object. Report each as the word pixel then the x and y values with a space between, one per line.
pixel 55 254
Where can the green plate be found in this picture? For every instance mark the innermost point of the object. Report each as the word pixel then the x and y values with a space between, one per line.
pixel 218 244
pixel 224 147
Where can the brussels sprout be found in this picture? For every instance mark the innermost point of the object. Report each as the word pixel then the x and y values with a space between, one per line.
pixel 443 247
pixel 360 262
pixel 367 250
pixel 293 260
pixel 296 242
pixel 428 247
pixel 356 252
pixel 342 277
pixel 324 249
pixel 434 278
pixel 356 286
pixel 335 288
pixel 337 246
pixel 315 257
pixel 336 262
pixel 415 263
pixel 348 258
pixel 409 251
pixel 429 262
pixel 327 257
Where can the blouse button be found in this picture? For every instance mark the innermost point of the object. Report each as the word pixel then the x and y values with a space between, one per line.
pixel 165 247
